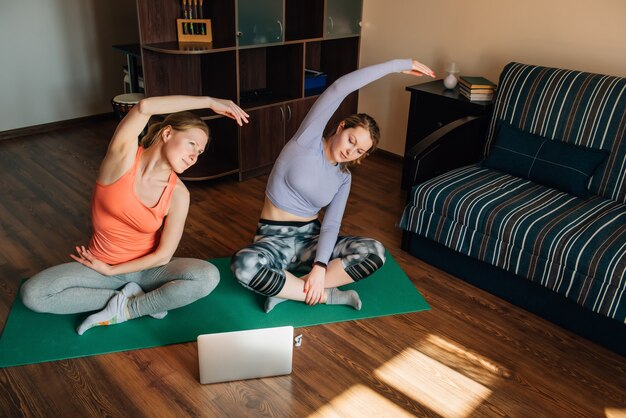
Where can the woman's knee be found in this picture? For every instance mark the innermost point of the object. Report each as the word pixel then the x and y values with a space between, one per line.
pixel 245 264
pixel 355 249
pixel 32 296
pixel 252 271
pixel 380 250
pixel 370 257
pixel 199 275
pixel 205 276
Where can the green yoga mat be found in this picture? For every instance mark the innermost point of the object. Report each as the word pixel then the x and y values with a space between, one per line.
pixel 31 337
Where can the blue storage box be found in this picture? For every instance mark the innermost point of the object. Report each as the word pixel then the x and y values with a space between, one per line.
pixel 314 82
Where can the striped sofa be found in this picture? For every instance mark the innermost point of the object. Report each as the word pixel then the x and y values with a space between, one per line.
pixel 557 252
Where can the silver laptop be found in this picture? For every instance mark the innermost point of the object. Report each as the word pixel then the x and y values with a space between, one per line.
pixel 239 355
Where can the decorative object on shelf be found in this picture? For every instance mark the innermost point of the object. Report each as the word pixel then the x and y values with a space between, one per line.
pixel 122 103
pixel 476 88
pixel 191 25
pixel 450 81
pixel 190 28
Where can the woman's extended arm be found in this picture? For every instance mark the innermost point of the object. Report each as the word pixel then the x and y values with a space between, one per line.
pixel 134 122
pixel 313 125
pixel 123 145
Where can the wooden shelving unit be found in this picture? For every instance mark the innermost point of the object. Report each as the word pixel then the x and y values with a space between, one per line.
pixel 259 52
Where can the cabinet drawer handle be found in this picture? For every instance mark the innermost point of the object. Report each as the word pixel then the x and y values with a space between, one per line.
pixel 282 114
pixel 280 24
pixel 288 113
pixel 239 34
pixel 332 24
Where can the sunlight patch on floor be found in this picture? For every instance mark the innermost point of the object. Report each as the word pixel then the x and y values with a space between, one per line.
pixel 615 413
pixel 433 384
pixel 471 364
pixel 360 401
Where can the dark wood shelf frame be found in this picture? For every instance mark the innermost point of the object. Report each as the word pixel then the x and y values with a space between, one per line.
pixel 304 19
pixel 265 79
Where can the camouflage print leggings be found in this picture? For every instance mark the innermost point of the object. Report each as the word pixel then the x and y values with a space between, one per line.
pixel 280 246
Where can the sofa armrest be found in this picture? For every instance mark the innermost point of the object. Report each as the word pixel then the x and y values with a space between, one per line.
pixel 454 145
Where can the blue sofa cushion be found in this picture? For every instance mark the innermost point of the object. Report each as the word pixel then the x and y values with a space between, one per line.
pixel 570 106
pixel 551 162
pixel 574 246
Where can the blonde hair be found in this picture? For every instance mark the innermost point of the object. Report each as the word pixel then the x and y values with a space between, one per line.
pixel 181 121
pixel 367 122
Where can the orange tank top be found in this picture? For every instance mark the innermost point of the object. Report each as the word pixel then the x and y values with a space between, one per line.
pixel 123 227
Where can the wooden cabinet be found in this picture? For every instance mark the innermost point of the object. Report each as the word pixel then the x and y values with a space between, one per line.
pixel 259 52
pixel 262 141
pixel 433 106
pixel 295 112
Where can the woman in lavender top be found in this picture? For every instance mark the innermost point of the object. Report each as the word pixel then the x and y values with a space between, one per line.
pixel 312 173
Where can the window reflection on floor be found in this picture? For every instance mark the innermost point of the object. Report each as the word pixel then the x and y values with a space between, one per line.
pixel 360 401
pixel 615 413
pixel 454 389
pixel 433 384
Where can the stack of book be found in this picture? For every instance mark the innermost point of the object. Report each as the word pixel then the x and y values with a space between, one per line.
pixel 476 88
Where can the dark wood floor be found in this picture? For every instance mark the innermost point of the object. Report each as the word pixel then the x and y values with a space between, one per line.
pixel 471 355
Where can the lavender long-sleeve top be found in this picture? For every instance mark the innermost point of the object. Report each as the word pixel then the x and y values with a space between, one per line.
pixel 303 181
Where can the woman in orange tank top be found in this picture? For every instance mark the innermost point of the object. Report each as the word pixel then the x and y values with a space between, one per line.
pixel 139 208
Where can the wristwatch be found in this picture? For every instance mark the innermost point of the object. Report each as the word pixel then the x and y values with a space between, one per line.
pixel 319 263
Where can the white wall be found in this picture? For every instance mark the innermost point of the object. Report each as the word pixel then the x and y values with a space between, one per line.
pixel 482 36
pixel 57 60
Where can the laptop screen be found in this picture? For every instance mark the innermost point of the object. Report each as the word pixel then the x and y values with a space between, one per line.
pixel 238 355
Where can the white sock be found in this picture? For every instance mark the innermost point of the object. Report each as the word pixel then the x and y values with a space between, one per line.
pixel 113 313
pixel 133 290
pixel 271 302
pixel 335 296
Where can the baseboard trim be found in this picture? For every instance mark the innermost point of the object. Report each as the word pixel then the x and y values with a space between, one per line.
pixel 53 126
pixel 389 155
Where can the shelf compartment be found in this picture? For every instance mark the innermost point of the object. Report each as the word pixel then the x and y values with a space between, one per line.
pixel 335 57
pixel 206 75
pixel 221 156
pixel 270 74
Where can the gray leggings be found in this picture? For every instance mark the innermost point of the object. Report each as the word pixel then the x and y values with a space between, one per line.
pixel 72 287
pixel 280 246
